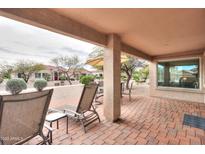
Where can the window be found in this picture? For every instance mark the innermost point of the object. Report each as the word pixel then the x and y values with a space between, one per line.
pixel 44 75
pixel 182 74
pixel 37 75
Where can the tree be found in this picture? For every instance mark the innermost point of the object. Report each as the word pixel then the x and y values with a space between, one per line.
pixel 27 68
pixel 71 65
pixel 129 67
pixel 145 72
pixel 141 74
pixel 136 76
pixel 5 71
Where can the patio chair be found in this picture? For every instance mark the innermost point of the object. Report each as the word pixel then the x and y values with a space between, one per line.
pixel 22 117
pixel 85 111
pixel 99 92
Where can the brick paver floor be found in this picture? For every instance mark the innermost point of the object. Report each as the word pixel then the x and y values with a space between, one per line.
pixel 144 120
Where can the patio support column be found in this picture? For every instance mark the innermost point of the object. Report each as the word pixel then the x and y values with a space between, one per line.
pixel 112 96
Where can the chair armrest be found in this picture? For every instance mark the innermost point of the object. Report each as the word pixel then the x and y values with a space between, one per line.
pixel 93 107
pixel 48 127
pixel 71 111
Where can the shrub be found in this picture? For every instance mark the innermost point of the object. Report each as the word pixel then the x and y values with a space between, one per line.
pixel 7 75
pixel 87 79
pixel 15 86
pixel 62 78
pixel 47 77
pixel 39 84
pixel 82 76
pixel 99 77
pixel 1 79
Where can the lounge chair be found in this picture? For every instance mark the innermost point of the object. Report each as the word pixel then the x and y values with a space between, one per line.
pixel 99 92
pixel 85 111
pixel 22 117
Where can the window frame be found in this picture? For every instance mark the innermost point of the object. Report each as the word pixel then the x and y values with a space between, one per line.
pixel 179 88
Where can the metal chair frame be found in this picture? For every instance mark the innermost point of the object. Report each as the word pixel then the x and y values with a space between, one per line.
pixel 41 124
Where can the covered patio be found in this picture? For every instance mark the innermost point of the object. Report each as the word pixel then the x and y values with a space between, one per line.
pixel 156 35
pixel 145 120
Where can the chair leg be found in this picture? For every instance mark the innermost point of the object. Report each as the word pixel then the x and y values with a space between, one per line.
pixel 97 116
pixel 96 113
pixel 95 98
pixel 67 125
pixel 51 134
pixel 57 124
pixel 1 142
pixel 45 139
pixel 48 137
pixel 82 123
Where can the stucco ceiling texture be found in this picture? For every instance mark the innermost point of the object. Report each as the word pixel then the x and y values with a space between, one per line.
pixel 153 31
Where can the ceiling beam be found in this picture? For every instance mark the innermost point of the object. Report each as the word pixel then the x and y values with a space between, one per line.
pixel 50 20
pixel 192 53
pixel 133 51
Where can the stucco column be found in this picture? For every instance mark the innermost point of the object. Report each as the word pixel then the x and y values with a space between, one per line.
pixel 112 97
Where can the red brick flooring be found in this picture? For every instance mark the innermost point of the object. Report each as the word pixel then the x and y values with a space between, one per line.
pixel 145 120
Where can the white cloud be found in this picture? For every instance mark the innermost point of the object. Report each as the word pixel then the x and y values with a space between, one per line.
pixel 22 41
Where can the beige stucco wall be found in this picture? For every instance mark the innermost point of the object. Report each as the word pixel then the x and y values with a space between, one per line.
pixel 177 93
pixel 62 95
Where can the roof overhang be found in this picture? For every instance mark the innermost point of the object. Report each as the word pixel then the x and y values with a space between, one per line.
pixel 146 33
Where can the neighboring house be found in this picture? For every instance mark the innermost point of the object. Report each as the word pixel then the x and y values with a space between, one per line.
pixel 75 75
pixel 50 73
pixel 79 72
pixel 82 71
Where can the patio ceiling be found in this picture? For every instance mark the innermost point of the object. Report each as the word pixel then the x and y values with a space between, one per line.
pixel 147 33
pixel 153 31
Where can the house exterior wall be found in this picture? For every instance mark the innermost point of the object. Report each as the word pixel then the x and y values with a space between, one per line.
pixel 194 95
pixel 33 77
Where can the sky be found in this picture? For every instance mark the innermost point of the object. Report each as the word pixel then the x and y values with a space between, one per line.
pixel 19 41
